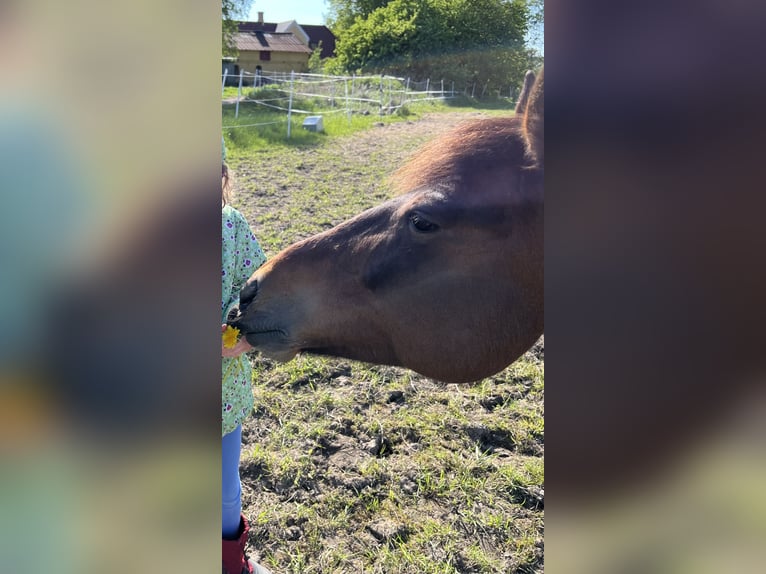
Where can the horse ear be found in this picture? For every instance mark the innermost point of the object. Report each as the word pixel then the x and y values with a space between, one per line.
pixel 529 79
pixel 534 122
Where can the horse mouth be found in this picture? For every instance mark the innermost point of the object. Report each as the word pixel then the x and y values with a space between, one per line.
pixel 271 340
pixel 273 343
pixel 266 334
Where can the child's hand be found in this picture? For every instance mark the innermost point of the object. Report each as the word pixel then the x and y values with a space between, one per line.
pixel 242 346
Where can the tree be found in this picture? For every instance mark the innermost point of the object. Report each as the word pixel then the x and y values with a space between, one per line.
pixel 344 12
pixel 536 34
pixel 457 40
pixel 231 11
pixel 316 65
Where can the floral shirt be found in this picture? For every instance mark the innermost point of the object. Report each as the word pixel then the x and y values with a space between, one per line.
pixel 241 255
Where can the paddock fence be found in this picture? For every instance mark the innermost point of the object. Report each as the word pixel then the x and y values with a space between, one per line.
pixel 318 94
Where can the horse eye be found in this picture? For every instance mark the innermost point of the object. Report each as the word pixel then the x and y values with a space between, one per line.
pixel 421 225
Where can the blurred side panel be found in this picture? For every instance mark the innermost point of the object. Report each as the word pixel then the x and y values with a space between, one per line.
pixel 110 254
pixel 654 285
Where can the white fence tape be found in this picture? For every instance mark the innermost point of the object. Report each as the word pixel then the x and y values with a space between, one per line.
pixel 379 91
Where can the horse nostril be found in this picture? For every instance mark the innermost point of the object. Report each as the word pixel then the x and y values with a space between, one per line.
pixel 247 294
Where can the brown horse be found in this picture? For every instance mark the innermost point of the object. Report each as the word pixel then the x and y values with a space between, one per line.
pixel 445 279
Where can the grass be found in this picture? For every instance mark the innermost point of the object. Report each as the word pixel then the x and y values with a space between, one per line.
pixel 356 468
pixel 442 487
pixel 231 92
pixel 263 127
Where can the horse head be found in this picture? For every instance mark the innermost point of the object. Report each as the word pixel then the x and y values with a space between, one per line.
pixel 446 278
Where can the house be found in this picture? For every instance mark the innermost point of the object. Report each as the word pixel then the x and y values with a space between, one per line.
pixel 271 51
pixel 310 35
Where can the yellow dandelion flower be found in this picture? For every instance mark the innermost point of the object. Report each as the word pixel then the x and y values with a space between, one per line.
pixel 230 336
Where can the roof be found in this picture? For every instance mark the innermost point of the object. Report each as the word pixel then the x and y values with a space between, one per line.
pixel 321 34
pixel 316 34
pixel 294 27
pixel 269 42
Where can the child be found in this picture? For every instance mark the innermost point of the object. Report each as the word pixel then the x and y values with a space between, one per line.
pixel 241 255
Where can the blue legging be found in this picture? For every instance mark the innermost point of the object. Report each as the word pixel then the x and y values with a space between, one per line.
pixel 232 489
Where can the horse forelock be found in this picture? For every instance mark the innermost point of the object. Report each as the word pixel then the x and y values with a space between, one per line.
pixel 468 151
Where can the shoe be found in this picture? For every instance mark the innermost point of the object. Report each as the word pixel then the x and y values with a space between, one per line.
pixel 235 560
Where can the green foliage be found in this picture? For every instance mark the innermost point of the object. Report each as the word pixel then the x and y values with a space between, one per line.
pixel 316 65
pixel 536 34
pixel 231 10
pixel 344 12
pixel 386 34
pixel 457 40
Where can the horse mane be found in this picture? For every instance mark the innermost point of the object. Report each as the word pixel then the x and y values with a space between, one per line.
pixel 470 149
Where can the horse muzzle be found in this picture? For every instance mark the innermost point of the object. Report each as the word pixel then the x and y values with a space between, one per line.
pixel 269 337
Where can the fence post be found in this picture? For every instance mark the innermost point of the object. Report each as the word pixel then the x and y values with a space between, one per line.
pixel 239 93
pixel 442 88
pixel 381 94
pixel 452 94
pixel 348 104
pixel 223 84
pixel 290 105
pixel 428 84
pixel 473 90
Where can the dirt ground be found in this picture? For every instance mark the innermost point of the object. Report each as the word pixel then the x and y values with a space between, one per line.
pixel 352 468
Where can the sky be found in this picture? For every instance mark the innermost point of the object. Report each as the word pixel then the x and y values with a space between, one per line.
pixel 304 11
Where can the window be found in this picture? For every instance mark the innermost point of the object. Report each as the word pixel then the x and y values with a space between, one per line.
pixel 265 56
